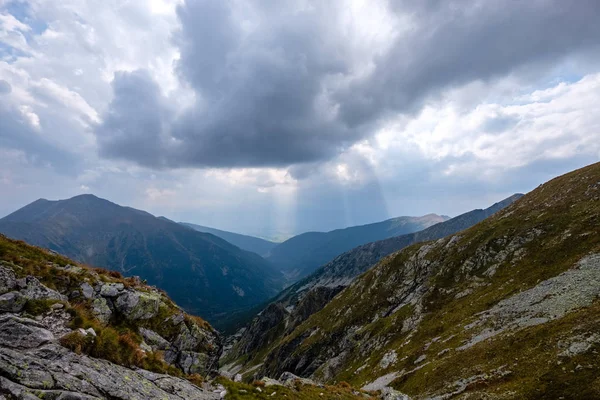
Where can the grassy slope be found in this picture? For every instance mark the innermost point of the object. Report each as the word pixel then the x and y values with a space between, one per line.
pixel 118 341
pixel 566 212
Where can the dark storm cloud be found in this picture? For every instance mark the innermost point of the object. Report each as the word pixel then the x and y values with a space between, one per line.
pixel 135 124
pixel 275 83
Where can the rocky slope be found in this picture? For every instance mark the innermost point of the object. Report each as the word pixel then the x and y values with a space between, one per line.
pixel 55 316
pixel 298 302
pixel 204 274
pixel 302 254
pixel 508 309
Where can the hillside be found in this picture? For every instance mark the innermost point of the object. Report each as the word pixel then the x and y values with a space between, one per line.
pixel 244 242
pixel 505 309
pixel 306 297
pixel 204 274
pixel 302 254
pixel 69 331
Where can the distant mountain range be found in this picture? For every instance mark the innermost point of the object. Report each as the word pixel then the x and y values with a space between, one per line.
pixel 306 297
pixel 203 273
pixel 302 254
pixel 245 242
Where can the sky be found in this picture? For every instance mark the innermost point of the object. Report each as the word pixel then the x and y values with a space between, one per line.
pixel 274 117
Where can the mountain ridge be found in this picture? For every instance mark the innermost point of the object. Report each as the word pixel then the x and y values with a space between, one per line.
pixel 302 299
pixel 204 273
pixel 508 308
pixel 302 254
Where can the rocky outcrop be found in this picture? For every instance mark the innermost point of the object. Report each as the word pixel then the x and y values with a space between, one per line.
pixel 34 319
pixel 33 365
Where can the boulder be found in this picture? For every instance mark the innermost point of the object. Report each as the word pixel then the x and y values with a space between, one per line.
pixel 101 310
pixel 87 290
pixel 22 333
pixel 111 289
pixel 135 305
pixel 12 302
pixel 154 340
pixel 34 290
pixel 54 372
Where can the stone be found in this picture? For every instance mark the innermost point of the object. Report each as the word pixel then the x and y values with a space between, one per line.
pixel 12 302
pixel 154 340
pixel 388 393
pixel 8 280
pixel 237 378
pixel 137 305
pixel 34 290
pixel 111 289
pixel 101 310
pixel 54 372
pixel 16 332
pixel 87 290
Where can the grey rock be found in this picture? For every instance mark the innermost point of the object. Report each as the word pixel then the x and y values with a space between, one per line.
pixel 16 332
pixel 12 302
pixel 34 290
pixel 87 290
pixel 138 305
pixel 111 289
pixel 154 340
pixel 101 310
pixel 391 394
pixel 54 372
pixel 8 280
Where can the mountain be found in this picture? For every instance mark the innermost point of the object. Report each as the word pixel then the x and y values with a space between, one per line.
pixel 244 242
pixel 302 254
pixel 298 302
pixel 69 331
pixel 203 273
pixel 508 308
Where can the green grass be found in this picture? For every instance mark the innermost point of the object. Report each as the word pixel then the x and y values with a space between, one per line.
pixel 566 214
pixel 243 391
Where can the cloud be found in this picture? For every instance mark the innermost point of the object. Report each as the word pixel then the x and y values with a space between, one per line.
pixel 5 87
pixel 278 85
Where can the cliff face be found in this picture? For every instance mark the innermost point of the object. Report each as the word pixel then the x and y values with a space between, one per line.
pixel 69 331
pixel 506 309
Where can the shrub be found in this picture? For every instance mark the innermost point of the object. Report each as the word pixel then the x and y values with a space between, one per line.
pixel 75 341
pixel 38 307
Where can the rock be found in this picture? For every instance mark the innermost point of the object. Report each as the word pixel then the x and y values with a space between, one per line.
pixel 111 289
pixel 54 372
pixel 154 340
pixel 8 280
pixel 137 305
pixel 90 331
pixel 193 363
pixel 237 378
pixel 12 302
pixel 87 290
pixel 288 379
pixel 101 310
pixel 34 290
pixel 271 382
pixel 57 306
pixel 16 332
pixel 391 394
